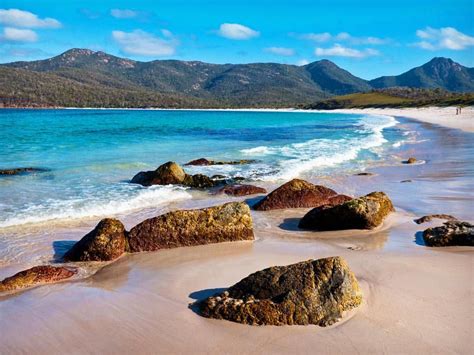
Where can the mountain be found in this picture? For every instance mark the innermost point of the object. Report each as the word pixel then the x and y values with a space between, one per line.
pixel 330 78
pixel 86 78
pixel 441 73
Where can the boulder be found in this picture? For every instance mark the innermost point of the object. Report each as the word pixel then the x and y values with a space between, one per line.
pixel 199 181
pixel 338 199
pixel 451 233
pixel 309 292
pixel 22 171
pixel 430 217
pixel 410 160
pixel 242 190
pixel 171 173
pixel 206 162
pixel 166 174
pixel 224 223
pixel 35 276
pixel 295 194
pixel 106 242
pixel 365 212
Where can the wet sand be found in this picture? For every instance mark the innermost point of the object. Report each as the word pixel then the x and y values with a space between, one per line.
pixel 416 299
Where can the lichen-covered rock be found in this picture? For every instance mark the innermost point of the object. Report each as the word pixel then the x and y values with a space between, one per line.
pixel 451 233
pixel 106 242
pixel 35 276
pixel 365 212
pixel 242 190
pixel 309 292
pixel 22 171
pixel 410 160
pixel 199 181
pixel 338 199
pixel 166 174
pixel 206 162
pixel 224 223
pixel 295 194
pixel 430 217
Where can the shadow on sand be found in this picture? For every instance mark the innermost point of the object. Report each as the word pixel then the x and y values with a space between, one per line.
pixel 419 238
pixel 290 224
pixel 60 248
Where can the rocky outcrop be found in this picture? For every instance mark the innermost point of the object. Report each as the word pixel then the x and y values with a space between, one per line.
pixel 171 173
pixel 36 276
pixel 166 174
pixel 206 162
pixel 106 242
pixel 224 223
pixel 309 292
pixel 337 200
pixel 410 160
pixel 451 233
pixel 22 171
pixel 295 194
pixel 242 190
pixel 430 217
pixel 365 212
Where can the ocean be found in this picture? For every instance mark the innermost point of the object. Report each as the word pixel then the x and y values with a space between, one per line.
pixel 92 154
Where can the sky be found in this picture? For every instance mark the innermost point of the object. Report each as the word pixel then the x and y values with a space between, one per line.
pixel 368 38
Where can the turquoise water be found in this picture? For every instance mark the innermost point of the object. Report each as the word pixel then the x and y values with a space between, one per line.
pixel 92 154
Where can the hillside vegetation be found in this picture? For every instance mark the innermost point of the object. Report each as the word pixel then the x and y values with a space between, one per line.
pixel 85 78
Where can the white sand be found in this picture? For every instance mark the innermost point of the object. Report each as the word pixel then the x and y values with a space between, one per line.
pixel 417 300
pixel 443 116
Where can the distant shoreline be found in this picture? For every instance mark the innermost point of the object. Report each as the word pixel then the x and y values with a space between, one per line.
pixel 443 116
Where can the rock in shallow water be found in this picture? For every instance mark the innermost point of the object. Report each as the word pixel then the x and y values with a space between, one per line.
pixel 365 212
pixel 22 171
pixel 206 162
pixel 450 234
pixel 430 217
pixel 35 276
pixel 309 292
pixel 106 242
pixel 242 190
pixel 295 194
pixel 171 173
pixel 224 223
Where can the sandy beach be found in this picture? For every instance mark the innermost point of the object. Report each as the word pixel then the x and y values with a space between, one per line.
pixel 443 116
pixel 416 299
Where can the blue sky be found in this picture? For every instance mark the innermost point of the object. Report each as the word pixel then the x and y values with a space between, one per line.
pixel 368 38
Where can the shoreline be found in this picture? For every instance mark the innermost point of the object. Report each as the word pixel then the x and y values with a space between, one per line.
pixel 146 296
pixel 443 116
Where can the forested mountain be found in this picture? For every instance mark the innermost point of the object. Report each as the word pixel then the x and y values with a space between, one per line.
pixel 86 78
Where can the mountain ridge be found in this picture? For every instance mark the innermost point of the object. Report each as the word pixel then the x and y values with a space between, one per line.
pixel 175 83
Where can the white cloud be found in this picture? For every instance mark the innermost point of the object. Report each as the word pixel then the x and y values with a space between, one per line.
pixel 11 34
pixel 142 43
pixel 302 62
pixel 236 31
pixel 19 18
pixel 343 37
pixel 317 37
pixel 286 52
pixel 339 51
pixel 443 38
pixel 125 13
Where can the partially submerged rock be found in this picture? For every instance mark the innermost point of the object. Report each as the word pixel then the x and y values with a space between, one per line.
pixel 365 212
pixel 364 174
pixel 106 242
pixel 410 160
pixel 171 173
pixel 206 162
pixel 295 194
pixel 22 171
pixel 166 174
pixel 242 190
pixel 309 292
pixel 224 223
pixel 430 217
pixel 35 276
pixel 451 233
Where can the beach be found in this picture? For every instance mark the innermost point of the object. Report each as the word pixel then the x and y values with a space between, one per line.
pixel 415 298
